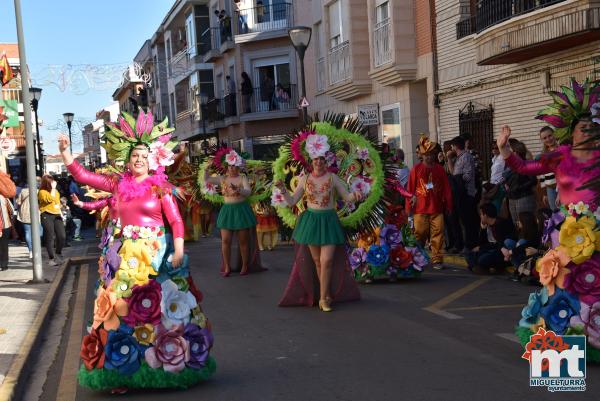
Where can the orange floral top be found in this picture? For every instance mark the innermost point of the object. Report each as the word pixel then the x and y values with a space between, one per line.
pixel 318 194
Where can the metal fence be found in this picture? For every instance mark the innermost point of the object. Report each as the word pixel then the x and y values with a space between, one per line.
pixel 382 42
pixel 339 63
pixel 479 123
pixel 266 99
pixel 265 18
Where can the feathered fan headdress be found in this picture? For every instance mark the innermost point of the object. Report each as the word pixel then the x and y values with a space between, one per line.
pixel 570 104
pixel 121 138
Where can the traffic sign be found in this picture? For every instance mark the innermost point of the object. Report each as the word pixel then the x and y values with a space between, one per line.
pixel 7 145
pixel 303 103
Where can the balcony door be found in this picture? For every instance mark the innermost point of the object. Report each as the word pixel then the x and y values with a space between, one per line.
pixel 268 75
pixel 272 15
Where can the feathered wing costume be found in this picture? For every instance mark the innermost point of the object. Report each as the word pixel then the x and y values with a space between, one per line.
pixel 353 158
pixel 148 329
pixel 259 182
pixel 569 302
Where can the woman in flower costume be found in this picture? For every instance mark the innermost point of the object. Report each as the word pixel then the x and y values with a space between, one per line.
pixel 148 329
pixel 569 303
pixel 236 215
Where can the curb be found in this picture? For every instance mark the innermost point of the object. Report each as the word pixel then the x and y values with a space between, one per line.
pixel 17 375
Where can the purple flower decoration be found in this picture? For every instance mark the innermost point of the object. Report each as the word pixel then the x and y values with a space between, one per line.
pixel 584 279
pixel 358 257
pixel 112 259
pixel 200 341
pixel 106 234
pixel 551 228
pixel 390 235
pixel 419 259
pixel 589 318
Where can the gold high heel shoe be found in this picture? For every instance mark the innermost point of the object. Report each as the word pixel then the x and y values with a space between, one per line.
pixel 325 305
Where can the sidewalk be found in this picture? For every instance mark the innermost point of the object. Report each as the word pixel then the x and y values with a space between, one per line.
pixel 20 301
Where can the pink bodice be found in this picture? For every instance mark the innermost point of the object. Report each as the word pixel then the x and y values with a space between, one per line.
pixel 570 174
pixel 144 209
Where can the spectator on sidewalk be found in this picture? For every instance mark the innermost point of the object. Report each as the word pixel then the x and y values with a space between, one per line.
pixel 493 233
pixel 6 213
pixel 464 175
pixel 72 223
pixel 432 197
pixel 548 181
pixel 478 166
pixel 493 191
pixel 54 228
pixel 520 188
pixel 24 214
pixel 454 235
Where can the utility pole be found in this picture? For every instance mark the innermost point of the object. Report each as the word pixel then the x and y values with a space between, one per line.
pixel 30 152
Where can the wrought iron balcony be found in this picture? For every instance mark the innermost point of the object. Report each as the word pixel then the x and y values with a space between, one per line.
pixel 382 53
pixel 321 77
pixel 264 18
pixel 269 99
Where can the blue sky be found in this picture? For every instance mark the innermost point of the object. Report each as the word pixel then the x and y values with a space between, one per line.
pixel 77 32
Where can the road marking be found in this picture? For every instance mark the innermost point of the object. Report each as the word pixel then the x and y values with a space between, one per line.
pixel 436 307
pixel 509 337
pixel 67 389
pixel 483 307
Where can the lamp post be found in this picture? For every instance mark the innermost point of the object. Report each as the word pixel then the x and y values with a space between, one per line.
pixel 36 94
pixel 69 120
pixel 300 37
pixel 203 99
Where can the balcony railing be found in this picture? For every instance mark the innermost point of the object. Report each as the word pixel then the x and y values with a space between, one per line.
pixel 321 83
pixel 11 94
pixel 210 40
pixel 270 99
pixel 264 18
pixel 179 64
pixel 382 42
pixel 220 109
pixel 339 63
pixel 493 12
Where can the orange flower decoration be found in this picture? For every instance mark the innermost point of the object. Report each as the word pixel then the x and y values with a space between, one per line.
pixel 107 309
pixel 366 239
pixel 552 269
pixel 92 349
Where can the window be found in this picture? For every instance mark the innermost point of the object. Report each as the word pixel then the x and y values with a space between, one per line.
pixel 335 24
pixel 272 77
pixel 382 12
pixel 190 35
pixel 390 127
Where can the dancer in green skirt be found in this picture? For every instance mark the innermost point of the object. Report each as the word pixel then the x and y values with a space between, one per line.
pixel 319 226
pixel 236 215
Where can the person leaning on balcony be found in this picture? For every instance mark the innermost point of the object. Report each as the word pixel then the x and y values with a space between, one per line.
pixel 247 92
pixel 282 98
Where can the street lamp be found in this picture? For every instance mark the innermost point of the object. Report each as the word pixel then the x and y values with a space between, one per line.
pixel 300 37
pixel 69 120
pixel 203 99
pixel 36 94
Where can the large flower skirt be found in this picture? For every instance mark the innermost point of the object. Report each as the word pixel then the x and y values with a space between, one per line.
pixel 319 227
pixel 236 216
pixel 148 329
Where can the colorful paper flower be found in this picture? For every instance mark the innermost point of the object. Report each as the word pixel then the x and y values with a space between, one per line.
pixel 558 311
pixel 584 280
pixel 234 159
pixel 122 351
pixel 92 349
pixel 360 184
pixel 199 318
pixel 183 270
pixel 316 145
pixel 551 228
pixel 170 350
pixel 330 158
pixel 419 258
pixel 396 216
pixel 552 269
pixel 175 305
pixel 390 235
pixel 596 112
pixel 107 309
pixel 579 237
pixel 144 334
pixel 144 305
pixel 159 156
pixel 579 208
pixel 358 257
pixel 362 153
pixel 200 342
pixel 122 284
pixel 401 258
pixel 378 255
pixel 136 260
pixel 209 188
pixel 277 198
pixel 366 239
pixel 530 314
pixel 182 283
pixel 589 320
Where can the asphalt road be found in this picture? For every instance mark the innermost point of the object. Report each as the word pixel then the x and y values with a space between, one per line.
pixel 445 336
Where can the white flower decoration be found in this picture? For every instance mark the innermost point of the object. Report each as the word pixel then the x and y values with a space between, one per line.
pixel 176 306
pixel 316 146
pixel 146 232
pixel 596 112
pixel 209 189
pixel 360 185
pixel 234 159
pixel 581 208
pixel 597 213
pixel 159 155
pixel 277 198
pixel 128 231
pixel 362 153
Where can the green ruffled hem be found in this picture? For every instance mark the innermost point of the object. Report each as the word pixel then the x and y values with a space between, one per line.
pixel 145 377
pixel 592 354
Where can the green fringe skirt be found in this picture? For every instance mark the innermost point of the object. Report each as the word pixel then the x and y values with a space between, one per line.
pixel 319 227
pixel 236 216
